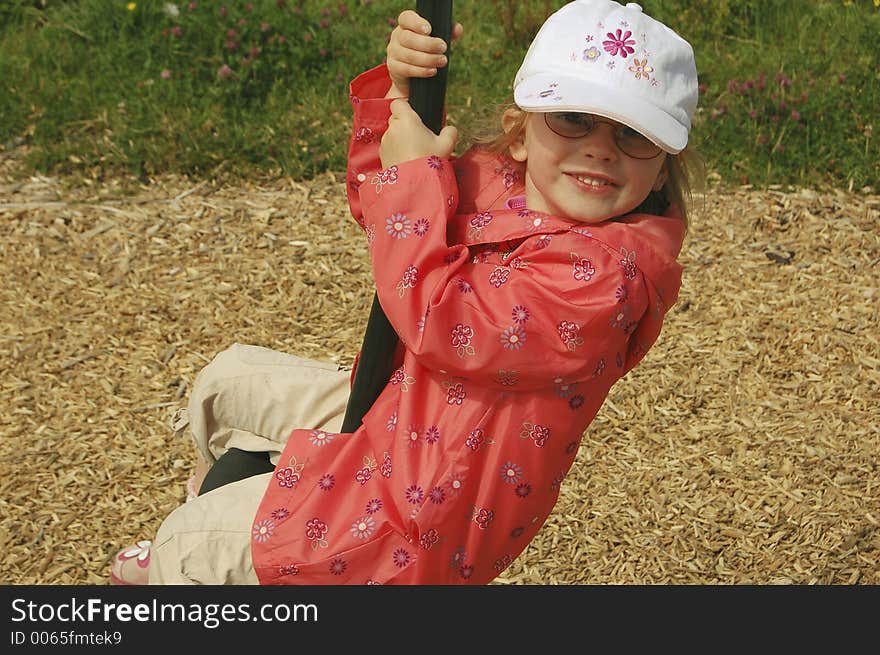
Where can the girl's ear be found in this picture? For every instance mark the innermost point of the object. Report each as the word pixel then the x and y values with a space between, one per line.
pixel 513 124
pixel 662 176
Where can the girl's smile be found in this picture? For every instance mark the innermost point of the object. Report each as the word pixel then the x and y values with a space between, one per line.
pixel 592 182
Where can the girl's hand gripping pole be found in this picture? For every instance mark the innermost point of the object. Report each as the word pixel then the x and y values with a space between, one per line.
pixel 376 359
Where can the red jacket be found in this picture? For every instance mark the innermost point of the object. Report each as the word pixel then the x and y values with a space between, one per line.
pixel 515 324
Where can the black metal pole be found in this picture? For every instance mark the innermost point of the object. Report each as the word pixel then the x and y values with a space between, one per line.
pixel 374 368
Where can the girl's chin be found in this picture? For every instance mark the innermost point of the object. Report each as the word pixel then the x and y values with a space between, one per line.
pixel 588 208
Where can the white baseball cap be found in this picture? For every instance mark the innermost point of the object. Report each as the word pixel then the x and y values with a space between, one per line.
pixel 599 57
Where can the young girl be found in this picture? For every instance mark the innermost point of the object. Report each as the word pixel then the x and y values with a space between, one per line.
pixel 524 279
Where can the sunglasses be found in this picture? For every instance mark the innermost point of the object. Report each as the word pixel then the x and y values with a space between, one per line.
pixel 574 125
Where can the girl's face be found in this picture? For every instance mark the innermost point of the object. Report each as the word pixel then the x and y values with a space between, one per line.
pixel 586 179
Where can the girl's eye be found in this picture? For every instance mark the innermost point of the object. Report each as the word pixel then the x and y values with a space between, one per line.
pixel 631 134
pixel 577 120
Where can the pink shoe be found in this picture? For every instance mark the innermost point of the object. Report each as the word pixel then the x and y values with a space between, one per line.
pixel 130 566
pixel 191 491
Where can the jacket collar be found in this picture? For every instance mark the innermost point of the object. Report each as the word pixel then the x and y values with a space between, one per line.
pixel 486 183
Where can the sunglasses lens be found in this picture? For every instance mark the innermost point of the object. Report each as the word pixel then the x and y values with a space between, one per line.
pixel 635 144
pixel 570 124
pixel 573 125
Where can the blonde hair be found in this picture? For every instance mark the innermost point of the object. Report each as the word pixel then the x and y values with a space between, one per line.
pixel 685 171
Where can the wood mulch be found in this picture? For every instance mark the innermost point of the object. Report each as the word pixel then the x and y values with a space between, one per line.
pixel 743 450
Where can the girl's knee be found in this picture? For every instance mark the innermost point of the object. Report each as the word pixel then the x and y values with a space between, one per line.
pixel 226 363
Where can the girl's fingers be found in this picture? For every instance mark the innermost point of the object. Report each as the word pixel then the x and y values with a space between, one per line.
pixel 416 58
pixel 400 107
pixel 410 20
pixel 420 42
pixel 412 52
pixel 402 70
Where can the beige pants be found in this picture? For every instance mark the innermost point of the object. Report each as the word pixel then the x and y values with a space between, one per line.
pixel 250 398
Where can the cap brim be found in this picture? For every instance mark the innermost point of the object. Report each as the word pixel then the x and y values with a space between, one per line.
pixel 574 94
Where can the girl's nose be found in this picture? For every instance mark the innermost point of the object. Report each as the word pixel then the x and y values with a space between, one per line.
pixel 600 142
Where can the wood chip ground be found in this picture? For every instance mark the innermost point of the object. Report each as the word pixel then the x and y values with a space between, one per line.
pixel 743 450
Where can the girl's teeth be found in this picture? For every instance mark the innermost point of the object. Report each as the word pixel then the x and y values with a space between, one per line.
pixel 591 181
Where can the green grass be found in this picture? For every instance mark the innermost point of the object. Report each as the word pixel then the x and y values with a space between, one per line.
pixel 789 87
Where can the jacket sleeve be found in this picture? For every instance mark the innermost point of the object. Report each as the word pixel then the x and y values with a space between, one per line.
pixel 560 309
pixel 371 111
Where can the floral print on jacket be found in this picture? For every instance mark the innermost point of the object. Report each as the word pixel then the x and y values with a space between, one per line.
pixel 513 327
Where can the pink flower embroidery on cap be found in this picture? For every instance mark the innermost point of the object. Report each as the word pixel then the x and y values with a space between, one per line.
pixel 619 43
